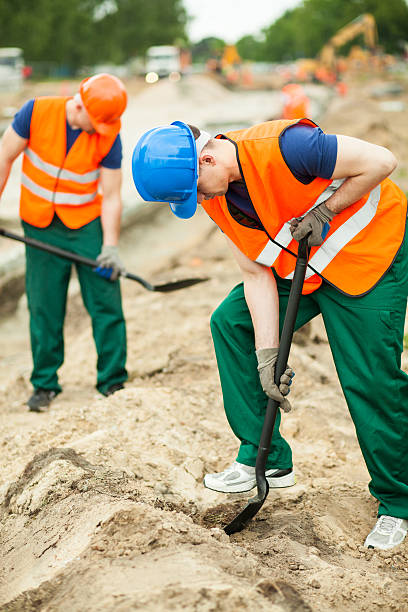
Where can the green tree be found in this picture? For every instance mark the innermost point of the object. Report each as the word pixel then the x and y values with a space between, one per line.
pixel 209 47
pixel 137 25
pixel 303 31
pixel 251 48
pixel 53 31
pixel 83 32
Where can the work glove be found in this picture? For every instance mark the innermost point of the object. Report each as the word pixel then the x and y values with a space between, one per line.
pixel 109 263
pixel 316 222
pixel 266 367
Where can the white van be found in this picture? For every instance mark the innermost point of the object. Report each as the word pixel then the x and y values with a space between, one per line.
pixel 162 61
pixel 11 68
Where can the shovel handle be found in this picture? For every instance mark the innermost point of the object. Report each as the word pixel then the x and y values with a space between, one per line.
pixel 50 248
pixel 283 354
pixel 75 258
pixel 292 309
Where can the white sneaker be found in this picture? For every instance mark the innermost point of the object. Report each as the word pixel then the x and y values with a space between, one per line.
pixel 387 533
pixel 238 478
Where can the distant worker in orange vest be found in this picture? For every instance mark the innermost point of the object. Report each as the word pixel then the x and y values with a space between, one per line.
pixel 296 103
pixel 267 187
pixel 70 197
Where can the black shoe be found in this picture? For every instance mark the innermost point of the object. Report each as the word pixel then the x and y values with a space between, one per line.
pixel 113 388
pixel 41 398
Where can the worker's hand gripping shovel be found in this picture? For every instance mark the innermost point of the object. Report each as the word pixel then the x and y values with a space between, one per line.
pixel 163 288
pixel 256 503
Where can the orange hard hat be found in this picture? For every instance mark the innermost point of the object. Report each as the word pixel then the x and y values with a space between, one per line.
pixel 292 89
pixel 104 97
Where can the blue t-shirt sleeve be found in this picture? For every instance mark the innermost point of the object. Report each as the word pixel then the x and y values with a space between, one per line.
pixel 113 159
pixel 309 152
pixel 22 120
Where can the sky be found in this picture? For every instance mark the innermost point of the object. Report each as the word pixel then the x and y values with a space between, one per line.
pixel 232 19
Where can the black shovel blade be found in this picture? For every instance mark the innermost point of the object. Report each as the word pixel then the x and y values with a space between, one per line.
pixel 165 287
pixel 176 285
pixel 253 506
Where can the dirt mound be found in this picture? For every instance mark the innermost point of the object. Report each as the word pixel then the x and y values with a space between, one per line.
pixel 151 558
pixel 112 511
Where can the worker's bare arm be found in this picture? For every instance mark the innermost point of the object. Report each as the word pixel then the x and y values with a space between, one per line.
pixel 364 165
pixel 11 145
pixel 262 298
pixel 111 182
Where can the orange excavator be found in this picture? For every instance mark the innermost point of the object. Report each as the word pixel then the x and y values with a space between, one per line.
pixel 327 66
pixel 364 24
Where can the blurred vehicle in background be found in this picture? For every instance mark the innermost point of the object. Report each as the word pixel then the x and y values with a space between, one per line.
pixel 228 65
pixel 11 68
pixel 328 67
pixel 166 61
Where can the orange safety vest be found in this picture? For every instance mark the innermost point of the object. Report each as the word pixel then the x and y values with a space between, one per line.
pixel 363 239
pixel 53 181
pixel 296 102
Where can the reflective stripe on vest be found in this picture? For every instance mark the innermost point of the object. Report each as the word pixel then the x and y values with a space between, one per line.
pixel 57 197
pixel 283 238
pixel 363 238
pixel 55 181
pixel 346 232
pixel 63 174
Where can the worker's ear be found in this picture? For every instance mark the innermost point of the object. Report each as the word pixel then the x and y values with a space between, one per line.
pixel 207 159
pixel 77 107
pixel 78 103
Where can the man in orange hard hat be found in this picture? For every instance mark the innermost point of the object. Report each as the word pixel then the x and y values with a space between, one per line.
pixel 296 103
pixel 70 198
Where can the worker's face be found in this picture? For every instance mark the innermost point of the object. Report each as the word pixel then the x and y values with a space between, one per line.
pixel 83 120
pixel 212 179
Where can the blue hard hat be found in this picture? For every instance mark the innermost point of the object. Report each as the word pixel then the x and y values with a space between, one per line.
pixel 165 168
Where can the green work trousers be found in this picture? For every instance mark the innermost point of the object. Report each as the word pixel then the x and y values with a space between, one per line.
pixel 47 279
pixel 366 340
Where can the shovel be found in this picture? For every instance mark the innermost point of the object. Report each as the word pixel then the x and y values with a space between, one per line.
pixel 255 503
pixel 164 288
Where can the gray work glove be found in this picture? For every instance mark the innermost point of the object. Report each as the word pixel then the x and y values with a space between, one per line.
pixel 266 367
pixel 110 265
pixel 316 221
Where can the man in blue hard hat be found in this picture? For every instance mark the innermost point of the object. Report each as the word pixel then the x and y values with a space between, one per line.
pixel 267 187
